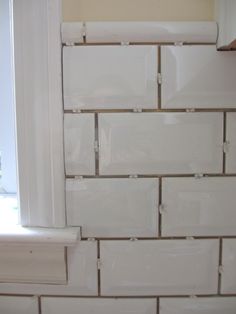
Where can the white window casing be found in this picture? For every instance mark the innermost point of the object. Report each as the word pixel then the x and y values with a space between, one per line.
pixel 39 112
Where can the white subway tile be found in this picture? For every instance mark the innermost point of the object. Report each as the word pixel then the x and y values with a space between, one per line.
pixel 82 275
pixel 79 144
pixel 198 305
pixel 18 305
pixel 110 77
pixel 228 277
pixel 151 31
pixel 199 207
pixel 153 143
pixel 231 138
pixel 198 77
pixel 113 207
pixel 159 267
pixel 98 306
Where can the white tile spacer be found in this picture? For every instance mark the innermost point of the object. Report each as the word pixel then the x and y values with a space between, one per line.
pixel 162 209
pixel 78 177
pixel 133 239
pixel 76 110
pixel 91 239
pixel 178 43
pixel 221 269
pixel 99 263
pixel 96 146
pixel 137 110
pixel 193 296
pixel 69 43
pixel 190 110
pixel 199 175
pixel 124 43
pixel 225 146
pixel 159 78
pixel 190 238
pixel 133 176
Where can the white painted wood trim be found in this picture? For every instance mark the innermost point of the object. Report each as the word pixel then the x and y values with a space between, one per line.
pixel 39 112
pixel 144 32
pixel 43 236
pixel 32 264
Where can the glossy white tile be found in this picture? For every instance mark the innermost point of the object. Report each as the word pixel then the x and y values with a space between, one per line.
pixel 198 305
pixel 198 77
pixel 228 276
pixel 110 77
pixel 160 143
pixel 82 275
pixel 98 306
pixel 19 305
pixel 159 267
pixel 79 144
pixel 151 32
pixel 113 207
pixel 231 138
pixel 199 207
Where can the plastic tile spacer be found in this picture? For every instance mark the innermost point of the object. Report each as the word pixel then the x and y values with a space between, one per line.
pixel 190 238
pixel 226 145
pixel 137 110
pixel 199 175
pixel 133 239
pixel 76 110
pixel 189 110
pixel 78 177
pixel 221 269
pixel 162 209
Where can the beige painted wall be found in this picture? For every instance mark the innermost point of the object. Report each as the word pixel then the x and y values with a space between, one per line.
pixel 140 10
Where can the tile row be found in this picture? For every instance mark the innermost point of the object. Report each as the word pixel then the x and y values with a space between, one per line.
pixel 149 143
pixel 130 207
pixel 127 77
pixel 51 305
pixel 143 268
pixel 139 32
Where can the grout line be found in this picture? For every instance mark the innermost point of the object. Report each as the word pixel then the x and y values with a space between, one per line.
pixel 158 110
pixel 159 214
pixel 224 140
pixel 98 270
pixel 154 43
pixel 220 264
pixel 123 296
pixel 39 305
pixel 158 305
pixel 146 176
pixel 84 34
pixel 97 140
pixel 186 237
pixel 159 72
pixel 66 262
pixel 63 133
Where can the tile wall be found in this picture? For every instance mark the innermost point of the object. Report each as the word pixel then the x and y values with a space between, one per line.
pixel 150 159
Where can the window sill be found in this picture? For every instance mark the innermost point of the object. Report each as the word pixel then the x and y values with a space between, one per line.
pixel 42 236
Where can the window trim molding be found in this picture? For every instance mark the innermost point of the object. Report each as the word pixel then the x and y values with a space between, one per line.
pixel 39 112
pixel 15 235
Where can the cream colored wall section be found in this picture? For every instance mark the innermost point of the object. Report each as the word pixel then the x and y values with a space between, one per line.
pixel 138 10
